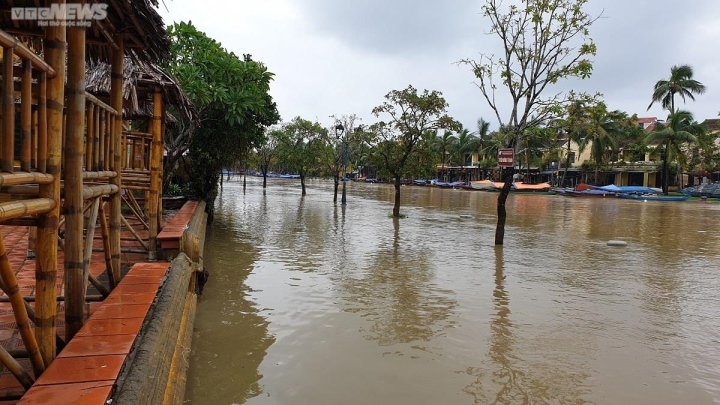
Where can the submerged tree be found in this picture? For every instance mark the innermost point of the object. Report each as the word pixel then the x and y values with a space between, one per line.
pixel 543 42
pixel 301 144
pixel 399 148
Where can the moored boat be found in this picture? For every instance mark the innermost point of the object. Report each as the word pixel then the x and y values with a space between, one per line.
pixel 529 187
pixel 654 197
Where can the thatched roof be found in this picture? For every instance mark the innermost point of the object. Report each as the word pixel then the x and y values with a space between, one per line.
pixel 139 82
pixel 138 20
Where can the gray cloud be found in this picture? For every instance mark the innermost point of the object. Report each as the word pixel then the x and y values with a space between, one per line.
pixel 395 27
pixel 341 57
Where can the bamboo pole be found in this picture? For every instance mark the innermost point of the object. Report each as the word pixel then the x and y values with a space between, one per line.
pixel 96 140
pixel 110 142
pixel 155 180
pixel 89 138
pixel 15 368
pixel 134 233
pixel 73 207
pixel 89 238
pixel 26 116
pixel 7 156
pixel 17 209
pixel 116 100
pixel 98 190
pixel 103 132
pixel 105 232
pixel 131 197
pixel 98 285
pixel 137 215
pixel 50 140
pixel 34 139
pixel 163 114
pixel 14 179
pixel 42 123
pixel 21 316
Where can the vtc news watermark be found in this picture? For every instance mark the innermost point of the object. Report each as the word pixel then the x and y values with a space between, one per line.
pixel 69 15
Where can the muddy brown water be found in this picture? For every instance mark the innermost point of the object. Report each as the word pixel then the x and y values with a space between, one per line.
pixel 312 303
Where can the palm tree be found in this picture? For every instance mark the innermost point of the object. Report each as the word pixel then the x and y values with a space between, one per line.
pixel 444 145
pixel 603 130
pixel 680 82
pixel 465 144
pixel 680 128
pixel 483 137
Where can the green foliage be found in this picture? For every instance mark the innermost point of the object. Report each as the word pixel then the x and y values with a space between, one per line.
pixel 399 147
pixel 679 129
pixel 681 82
pixel 544 42
pixel 232 100
pixel 301 146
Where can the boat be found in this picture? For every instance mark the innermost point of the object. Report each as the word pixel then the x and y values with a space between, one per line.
pixel 452 184
pixel 590 193
pixel 484 184
pixel 529 187
pixel 628 189
pixel 654 197
pixel 709 190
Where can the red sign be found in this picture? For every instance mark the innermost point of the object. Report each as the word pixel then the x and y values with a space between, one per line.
pixel 506 157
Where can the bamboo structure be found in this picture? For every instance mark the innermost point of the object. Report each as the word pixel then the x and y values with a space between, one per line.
pixel 73 202
pixel 49 151
pixel 66 92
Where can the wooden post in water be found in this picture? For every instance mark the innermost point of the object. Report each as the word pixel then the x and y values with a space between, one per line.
pixel 50 122
pixel 73 208
pixel 118 58
pixel 155 180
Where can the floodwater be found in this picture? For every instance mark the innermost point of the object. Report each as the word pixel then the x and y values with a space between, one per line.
pixel 312 303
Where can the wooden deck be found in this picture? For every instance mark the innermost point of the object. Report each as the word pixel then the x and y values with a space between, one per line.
pixel 86 370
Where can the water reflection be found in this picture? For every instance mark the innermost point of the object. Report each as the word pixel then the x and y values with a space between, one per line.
pixel 425 310
pixel 229 319
pixel 396 296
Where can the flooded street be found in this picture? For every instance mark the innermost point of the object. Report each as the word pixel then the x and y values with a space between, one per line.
pixel 312 303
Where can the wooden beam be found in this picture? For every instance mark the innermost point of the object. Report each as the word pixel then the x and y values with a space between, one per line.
pixel 50 119
pixel 7 152
pixel 156 153
pixel 7 41
pixel 26 117
pixel 105 231
pixel 90 237
pixel 17 209
pixel 11 289
pixel 116 101
pixel 73 192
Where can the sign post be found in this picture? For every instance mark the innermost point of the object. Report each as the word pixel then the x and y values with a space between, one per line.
pixel 506 157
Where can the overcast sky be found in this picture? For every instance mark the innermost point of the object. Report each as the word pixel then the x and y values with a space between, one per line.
pixel 341 57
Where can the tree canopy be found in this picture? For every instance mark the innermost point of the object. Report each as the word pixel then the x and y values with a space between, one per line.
pixel 232 98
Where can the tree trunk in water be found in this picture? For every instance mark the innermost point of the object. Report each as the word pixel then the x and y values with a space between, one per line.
pixel 567 166
pixel 264 180
pixel 337 180
pixel 396 207
pixel 222 179
pixel 244 181
pixel 302 183
pixel 501 212
pixel 666 171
